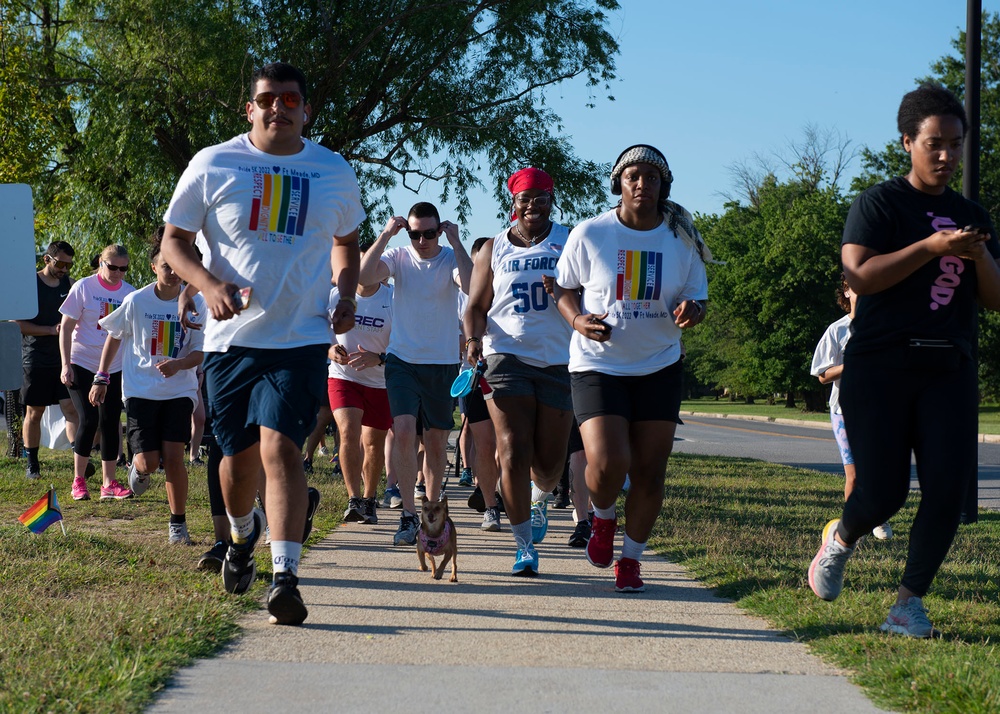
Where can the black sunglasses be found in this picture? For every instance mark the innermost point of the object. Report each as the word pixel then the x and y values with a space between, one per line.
pixel 115 268
pixel 265 100
pixel 428 235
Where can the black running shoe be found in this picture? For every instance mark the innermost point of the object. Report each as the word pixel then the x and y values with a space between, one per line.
pixel 581 534
pixel 212 558
pixel 284 602
pixel 239 568
pixel 368 510
pixel 354 513
pixel 307 465
pixel 476 501
pixel 310 512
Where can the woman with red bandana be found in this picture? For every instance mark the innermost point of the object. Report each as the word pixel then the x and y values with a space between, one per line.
pixel 513 322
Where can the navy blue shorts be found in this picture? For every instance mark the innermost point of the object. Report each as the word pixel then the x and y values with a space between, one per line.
pixel 250 387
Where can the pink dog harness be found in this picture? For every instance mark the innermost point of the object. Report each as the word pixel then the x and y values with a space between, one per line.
pixel 436 546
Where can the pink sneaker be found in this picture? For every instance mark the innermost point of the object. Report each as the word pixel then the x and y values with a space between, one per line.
pixel 115 490
pixel 627 578
pixel 601 546
pixel 79 491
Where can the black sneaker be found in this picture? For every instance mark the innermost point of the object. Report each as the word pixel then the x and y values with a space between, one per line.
pixel 34 472
pixel 284 602
pixel 307 465
pixel 581 535
pixel 310 512
pixel 476 501
pixel 212 558
pixel 368 511
pixel 562 499
pixel 239 568
pixel 354 514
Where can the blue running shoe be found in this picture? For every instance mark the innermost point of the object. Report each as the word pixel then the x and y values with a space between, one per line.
pixel 526 563
pixel 539 521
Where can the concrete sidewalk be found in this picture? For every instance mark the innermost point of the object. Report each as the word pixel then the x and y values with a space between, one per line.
pixel 383 636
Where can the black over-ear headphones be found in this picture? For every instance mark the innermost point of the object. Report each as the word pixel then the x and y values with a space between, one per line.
pixel 616 181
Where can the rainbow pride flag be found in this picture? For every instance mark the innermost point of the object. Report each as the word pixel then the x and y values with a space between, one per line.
pixel 43 514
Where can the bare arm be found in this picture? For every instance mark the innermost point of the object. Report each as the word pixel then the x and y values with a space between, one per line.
pixel 869 271
pixel 66 328
pixel 461 255
pixel 32 330
pixel 345 259
pixel 831 375
pixel 480 301
pixel 178 250
pixel 589 325
pixel 373 270
pixel 170 367
pixel 98 391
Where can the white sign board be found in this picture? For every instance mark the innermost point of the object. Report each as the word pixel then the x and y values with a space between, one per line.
pixel 18 294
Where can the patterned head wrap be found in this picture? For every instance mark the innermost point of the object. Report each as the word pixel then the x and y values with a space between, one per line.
pixel 643 155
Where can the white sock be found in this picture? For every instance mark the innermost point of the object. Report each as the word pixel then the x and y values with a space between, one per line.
pixel 522 533
pixel 285 555
pixel 607 514
pixel 538 494
pixel 631 549
pixel 240 527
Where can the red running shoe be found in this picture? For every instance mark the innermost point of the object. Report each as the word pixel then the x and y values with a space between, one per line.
pixel 627 578
pixel 601 546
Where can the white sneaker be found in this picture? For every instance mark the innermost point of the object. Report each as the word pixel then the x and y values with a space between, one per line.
pixel 882 532
pixel 179 534
pixel 137 482
pixel 910 619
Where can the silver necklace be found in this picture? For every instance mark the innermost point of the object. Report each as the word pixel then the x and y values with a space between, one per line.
pixel 532 241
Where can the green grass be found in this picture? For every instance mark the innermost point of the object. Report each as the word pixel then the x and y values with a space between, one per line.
pixel 98 620
pixel 989 414
pixel 750 529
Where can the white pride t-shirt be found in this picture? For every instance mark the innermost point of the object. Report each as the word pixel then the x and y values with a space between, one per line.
pixel 425 300
pixel 268 223
pixel 830 353
pixel 151 332
pixel 89 300
pixel 638 278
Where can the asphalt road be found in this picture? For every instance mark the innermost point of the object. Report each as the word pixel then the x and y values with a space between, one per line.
pixel 803 446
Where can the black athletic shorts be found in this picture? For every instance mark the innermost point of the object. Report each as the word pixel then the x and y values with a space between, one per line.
pixel 42 386
pixel 150 422
pixel 646 397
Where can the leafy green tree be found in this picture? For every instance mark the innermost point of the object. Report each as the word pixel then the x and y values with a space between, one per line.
pixel 893 161
pixel 774 295
pixel 409 91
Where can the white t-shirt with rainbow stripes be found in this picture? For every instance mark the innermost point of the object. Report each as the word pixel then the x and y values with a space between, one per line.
pixel 89 300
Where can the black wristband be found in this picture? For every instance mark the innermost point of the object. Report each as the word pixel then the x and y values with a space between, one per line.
pixel 381 358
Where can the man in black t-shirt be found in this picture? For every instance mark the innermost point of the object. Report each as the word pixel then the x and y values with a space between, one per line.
pixel 40 352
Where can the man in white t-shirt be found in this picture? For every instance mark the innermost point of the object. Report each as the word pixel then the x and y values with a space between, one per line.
pixel 275 213
pixel 422 357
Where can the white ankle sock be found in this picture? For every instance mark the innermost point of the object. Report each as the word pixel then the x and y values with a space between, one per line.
pixel 538 494
pixel 241 527
pixel 632 549
pixel 522 533
pixel 285 555
pixel 607 514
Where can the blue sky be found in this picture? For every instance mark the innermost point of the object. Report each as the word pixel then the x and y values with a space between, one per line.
pixel 711 84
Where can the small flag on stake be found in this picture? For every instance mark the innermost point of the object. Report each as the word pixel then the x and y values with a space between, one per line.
pixel 43 514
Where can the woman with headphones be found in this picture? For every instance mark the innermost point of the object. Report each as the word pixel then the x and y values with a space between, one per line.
pixel 628 282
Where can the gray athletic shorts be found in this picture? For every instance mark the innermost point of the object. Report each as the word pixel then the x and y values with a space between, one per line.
pixel 510 377
pixel 422 390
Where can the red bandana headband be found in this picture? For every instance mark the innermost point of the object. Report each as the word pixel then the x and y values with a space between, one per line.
pixel 529 178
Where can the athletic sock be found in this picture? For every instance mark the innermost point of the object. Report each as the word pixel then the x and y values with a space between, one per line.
pixel 285 556
pixel 240 527
pixel 538 494
pixel 178 518
pixel 522 533
pixel 32 457
pixel 607 514
pixel 632 549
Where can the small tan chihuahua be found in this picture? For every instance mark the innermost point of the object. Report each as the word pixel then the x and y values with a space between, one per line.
pixel 437 537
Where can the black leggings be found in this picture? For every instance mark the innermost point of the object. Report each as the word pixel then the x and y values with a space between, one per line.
pixel 920 400
pixel 108 416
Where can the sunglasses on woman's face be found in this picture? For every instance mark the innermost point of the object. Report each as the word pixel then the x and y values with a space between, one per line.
pixel 115 268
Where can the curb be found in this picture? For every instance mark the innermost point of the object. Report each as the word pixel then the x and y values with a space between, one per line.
pixel 981 438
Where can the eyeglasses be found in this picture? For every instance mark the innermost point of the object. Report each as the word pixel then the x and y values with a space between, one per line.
pixel 59 264
pixel 115 268
pixel 428 235
pixel 538 201
pixel 265 100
